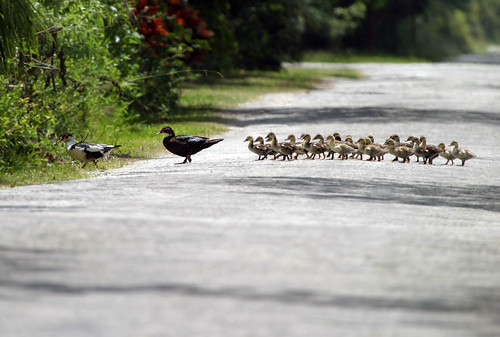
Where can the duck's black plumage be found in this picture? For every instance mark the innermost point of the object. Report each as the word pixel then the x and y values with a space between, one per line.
pixel 184 145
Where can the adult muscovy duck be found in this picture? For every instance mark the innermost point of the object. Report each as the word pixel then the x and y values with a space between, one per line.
pixel 86 152
pixel 184 145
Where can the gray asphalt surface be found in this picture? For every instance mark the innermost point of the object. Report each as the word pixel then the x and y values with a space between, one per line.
pixel 229 246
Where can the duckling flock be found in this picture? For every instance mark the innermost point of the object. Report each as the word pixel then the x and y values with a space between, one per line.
pixel 365 146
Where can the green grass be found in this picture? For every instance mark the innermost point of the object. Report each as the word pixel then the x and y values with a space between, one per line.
pixel 213 91
pixel 200 103
pixel 331 57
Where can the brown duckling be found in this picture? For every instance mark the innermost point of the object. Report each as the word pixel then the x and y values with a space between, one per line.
pixel 371 141
pixel 462 154
pixel 260 149
pixel 339 147
pixel 402 152
pixel 299 150
pixel 312 148
pixel 397 141
pixel 349 141
pixel 285 149
pixel 273 153
pixel 370 149
pixel 430 151
pixel 446 153
pixel 416 148
pixel 321 143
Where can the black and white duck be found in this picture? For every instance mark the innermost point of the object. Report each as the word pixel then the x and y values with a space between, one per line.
pixel 460 153
pixel 184 145
pixel 85 152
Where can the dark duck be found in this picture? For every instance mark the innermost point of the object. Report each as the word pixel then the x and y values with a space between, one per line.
pixel 184 145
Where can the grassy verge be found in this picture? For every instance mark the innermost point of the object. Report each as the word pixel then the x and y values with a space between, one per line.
pixel 331 57
pixel 197 114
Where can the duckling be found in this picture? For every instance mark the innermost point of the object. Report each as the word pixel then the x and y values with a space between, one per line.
pixel 416 148
pixel 312 148
pixel 397 141
pixel 299 150
pixel 371 141
pixel 337 137
pixel 322 145
pixel 446 153
pixel 339 147
pixel 399 151
pixel 273 153
pixel 462 154
pixel 260 149
pixel 430 151
pixel 349 141
pixel 370 149
pixel 286 149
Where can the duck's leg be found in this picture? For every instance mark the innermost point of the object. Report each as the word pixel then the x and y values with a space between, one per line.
pixel 84 163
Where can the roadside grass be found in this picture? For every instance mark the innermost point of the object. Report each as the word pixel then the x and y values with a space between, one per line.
pixel 212 91
pixel 198 113
pixel 347 57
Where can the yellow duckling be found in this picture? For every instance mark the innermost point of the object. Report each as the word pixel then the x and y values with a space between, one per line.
pixel 446 153
pixel 285 149
pixel 402 152
pixel 260 149
pixel 312 148
pixel 462 154
pixel 339 147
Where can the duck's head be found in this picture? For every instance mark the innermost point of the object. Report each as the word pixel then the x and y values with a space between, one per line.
pixel 248 139
pixel 389 142
pixel 319 137
pixel 270 136
pixel 66 137
pixel 362 140
pixel 371 138
pixel 168 130
pixel 330 138
pixel 305 136
pixel 442 146
pixel 454 143
pixel 259 139
pixel 411 139
pixel 394 136
pixel 291 138
pixel 336 135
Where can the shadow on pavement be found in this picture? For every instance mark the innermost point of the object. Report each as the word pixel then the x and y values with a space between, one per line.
pixel 285 116
pixel 386 191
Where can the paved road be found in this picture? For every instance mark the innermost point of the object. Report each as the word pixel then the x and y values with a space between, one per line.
pixel 229 246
